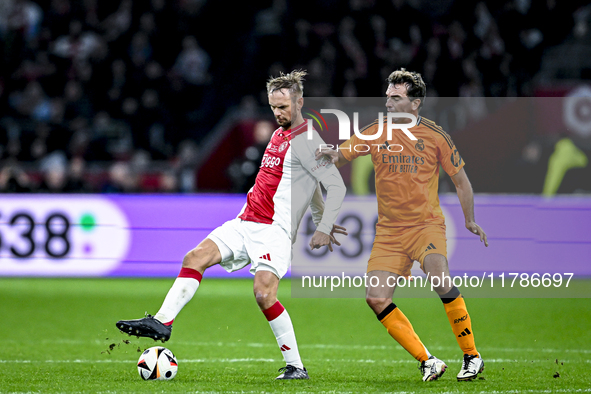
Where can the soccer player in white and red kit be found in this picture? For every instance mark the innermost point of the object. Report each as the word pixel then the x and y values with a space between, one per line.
pixel 262 235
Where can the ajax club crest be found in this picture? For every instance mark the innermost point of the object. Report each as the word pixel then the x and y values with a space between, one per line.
pixel 284 145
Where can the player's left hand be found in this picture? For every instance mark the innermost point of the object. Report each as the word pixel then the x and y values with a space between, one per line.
pixel 476 229
pixel 320 239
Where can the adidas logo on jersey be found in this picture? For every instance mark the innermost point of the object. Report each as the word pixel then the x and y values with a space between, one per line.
pixel 266 257
pixel 385 145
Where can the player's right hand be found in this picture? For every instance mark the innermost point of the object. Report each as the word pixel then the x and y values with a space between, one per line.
pixel 332 154
pixel 476 229
pixel 336 229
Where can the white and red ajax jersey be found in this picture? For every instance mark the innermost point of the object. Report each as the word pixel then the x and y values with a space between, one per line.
pixel 287 180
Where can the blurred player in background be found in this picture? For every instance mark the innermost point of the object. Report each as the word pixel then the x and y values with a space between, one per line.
pixel 263 233
pixel 410 224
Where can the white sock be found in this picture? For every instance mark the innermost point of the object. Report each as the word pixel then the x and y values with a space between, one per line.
pixel 181 292
pixel 282 327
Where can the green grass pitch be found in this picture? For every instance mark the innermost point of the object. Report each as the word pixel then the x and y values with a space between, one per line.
pixel 59 335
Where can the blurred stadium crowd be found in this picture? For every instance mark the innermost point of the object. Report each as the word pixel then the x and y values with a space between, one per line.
pixel 101 96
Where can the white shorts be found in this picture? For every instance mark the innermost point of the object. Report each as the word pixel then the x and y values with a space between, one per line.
pixel 266 247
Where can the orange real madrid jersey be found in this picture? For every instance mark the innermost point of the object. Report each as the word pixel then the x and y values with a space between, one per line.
pixel 407 171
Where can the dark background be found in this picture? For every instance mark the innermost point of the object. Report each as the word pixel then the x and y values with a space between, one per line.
pixel 164 96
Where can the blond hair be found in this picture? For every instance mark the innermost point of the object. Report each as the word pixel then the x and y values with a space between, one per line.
pixel 293 82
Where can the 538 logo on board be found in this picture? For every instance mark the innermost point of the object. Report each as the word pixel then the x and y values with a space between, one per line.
pixel 56 227
pixel 61 235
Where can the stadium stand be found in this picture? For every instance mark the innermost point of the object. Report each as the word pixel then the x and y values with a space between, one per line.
pixel 126 96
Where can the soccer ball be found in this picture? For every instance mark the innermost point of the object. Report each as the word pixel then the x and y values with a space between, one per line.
pixel 157 363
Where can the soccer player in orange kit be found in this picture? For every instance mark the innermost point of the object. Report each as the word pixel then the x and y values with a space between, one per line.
pixel 410 223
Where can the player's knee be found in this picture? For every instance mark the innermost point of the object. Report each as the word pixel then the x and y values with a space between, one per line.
pixel 377 304
pixel 265 288
pixel 197 258
pixel 436 264
pixel 264 297
pixel 191 259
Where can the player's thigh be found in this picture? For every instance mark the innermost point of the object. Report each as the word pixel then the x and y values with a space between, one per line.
pixel 427 241
pixel 388 254
pixel 230 239
pixel 203 256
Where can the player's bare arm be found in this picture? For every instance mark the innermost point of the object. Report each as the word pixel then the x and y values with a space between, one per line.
pixel 466 196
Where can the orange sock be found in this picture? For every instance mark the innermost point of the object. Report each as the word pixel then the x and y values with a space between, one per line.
pixel 459 319
pixel 401 330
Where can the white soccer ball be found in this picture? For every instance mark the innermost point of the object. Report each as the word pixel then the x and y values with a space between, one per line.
pixel 157 363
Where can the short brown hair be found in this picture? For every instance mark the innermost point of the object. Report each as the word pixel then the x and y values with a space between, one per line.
pixel 293 82
pixel 415 86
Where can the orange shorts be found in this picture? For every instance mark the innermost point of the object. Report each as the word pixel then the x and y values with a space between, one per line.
pixel 397 252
